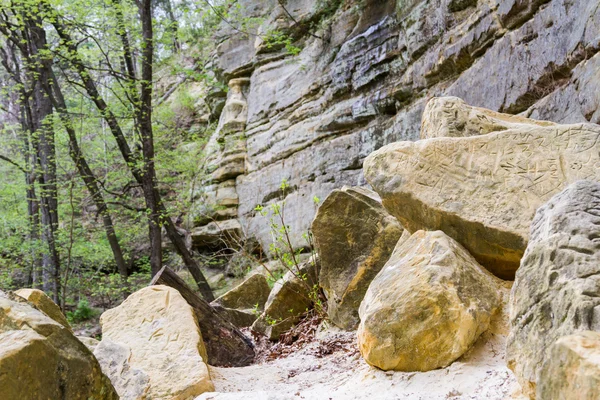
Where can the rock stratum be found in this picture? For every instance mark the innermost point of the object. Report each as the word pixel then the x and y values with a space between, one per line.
pixel 362 78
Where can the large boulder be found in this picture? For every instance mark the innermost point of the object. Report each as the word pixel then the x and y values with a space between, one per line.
pixel 288 300
pixel 41 359
pixel 243 304
pixel 572 371
pixel 483 191
pixel 453 117
pixel 557 289
pixel 42 302
pixel 159 338
pixel 427 306
pixel 354 236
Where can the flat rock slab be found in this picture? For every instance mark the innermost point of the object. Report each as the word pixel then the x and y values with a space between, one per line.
pixel 427 306
pixel 483 191
pixel 557 288
pixel 354 236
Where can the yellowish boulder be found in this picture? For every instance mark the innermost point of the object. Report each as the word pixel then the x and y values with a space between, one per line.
pixel 251 293
pixel 483 191
pixel 42 302
pixel 157 330
pixel 41 359
pixel 572 370
pixel 427 306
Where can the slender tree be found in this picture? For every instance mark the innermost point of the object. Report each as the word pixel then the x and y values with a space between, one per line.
pixel 19 112
pixel 25 30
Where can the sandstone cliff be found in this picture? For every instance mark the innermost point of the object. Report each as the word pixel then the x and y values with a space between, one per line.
pixel 361 80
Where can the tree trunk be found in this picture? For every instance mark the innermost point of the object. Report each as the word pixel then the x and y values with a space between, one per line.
pixel 39 65
pixel 144 122
pixel 54 91
pixel 226 345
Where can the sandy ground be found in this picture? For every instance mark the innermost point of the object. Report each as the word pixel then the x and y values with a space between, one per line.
pixel 479 374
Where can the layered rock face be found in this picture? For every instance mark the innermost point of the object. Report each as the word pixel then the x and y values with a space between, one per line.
pixel 484 190
pixel 363 79
pixel 41 359
pixel 354 236
pixel 557 288
pixel 427 306
pixel 152 347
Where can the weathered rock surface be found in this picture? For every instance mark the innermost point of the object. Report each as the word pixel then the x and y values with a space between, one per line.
pixel 89 342
pixel 452 117
pixel 130 383
pixel 289 298
pixel 363 81
pixel 427 306
pixel 484 190
pixel 572 371
pixel 42 302
pixel 557 288
pixel 244 303
pixel 217 234
pixel 160 340
pixel 354 236
pixel 41 359
pixel 252 293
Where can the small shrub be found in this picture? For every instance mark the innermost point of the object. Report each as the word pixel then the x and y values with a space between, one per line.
pixel 83 312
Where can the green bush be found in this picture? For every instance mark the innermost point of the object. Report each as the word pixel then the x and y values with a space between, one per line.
pixel 83 312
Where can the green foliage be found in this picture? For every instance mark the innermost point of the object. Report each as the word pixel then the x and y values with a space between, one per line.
pixel 277 39
pixel 83 312
pixel 272 321
pixel 274 276
pixel 282 249
pixel 184 37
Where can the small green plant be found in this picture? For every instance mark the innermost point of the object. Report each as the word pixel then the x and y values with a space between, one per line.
pixel 273 277
pixel 256 310
pixel 272 321
pixel 276 39
pixel 282 249
pixel 82 313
